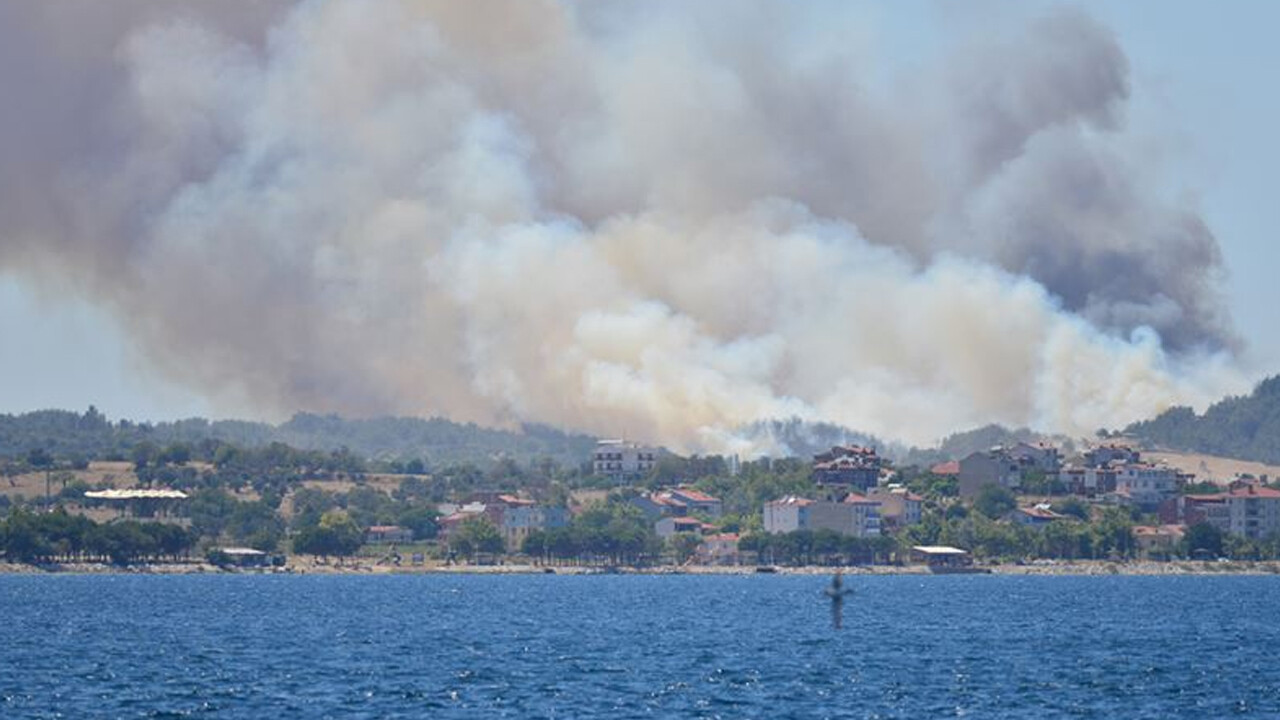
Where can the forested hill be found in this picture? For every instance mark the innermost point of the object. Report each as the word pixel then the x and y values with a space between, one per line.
pixel 1245 427
pixel 435 441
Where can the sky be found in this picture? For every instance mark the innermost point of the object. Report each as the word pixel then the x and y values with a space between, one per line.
pixel 1200 105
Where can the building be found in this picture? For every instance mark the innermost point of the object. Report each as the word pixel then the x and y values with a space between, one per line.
pixel 855 515
pixel 1158 541
pixel 1147 485
pixel 679 502
pixel 1035 516
pixel 240 557
pixel 138 502
pixel 847 466
pixel 1196 509
pixel 1088 481
pixel 1101 456
pixel 385 534
pixel 899 507
pixel 668 526
pixel 514 517
pixel 941 557
pixel 950 468
pixel 1037 457
pixel 718 549
pixel 655 505
pixel 1246 509
pixel 696 501
pixel 989 467
pixel 1254 510
pixel 518 521
pixel 621 460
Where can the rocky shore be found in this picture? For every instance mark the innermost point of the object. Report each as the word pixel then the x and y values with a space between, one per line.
pixel 312 566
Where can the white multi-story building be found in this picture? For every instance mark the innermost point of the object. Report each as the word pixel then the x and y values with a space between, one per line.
pixel 1249 510
pixel 855 515
pixel 1254 511
pixel 1147 484
pixel 620 459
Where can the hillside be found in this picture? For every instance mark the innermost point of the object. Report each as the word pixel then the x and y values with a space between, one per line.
pixel 435 441
pixel 1245 427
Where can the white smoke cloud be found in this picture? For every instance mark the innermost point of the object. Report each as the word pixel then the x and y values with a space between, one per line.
pixel 665 222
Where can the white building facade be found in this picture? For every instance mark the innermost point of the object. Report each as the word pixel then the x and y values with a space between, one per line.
pixel 858 517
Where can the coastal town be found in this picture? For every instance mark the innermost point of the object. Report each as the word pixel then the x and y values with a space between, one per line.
pixel 1023 504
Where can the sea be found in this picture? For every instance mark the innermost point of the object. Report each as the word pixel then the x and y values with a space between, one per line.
pixel 637 646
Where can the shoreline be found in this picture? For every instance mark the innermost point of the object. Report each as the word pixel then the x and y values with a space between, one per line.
pixel 303 567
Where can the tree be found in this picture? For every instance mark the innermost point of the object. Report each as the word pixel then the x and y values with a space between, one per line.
pixel 475 535
pixel 335 534
pixel 994 501
pixel 210 510
pixel 1203 537
pixel 176 454
pixel 144 453
pixel 421 519
pixel 39 458
pixel 1072 507
pixel 255 524
pixel 683 546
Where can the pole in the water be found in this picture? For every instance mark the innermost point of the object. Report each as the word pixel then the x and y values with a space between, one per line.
pixel 837 592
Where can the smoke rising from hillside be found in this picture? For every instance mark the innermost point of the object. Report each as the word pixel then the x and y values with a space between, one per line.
pixel 659 220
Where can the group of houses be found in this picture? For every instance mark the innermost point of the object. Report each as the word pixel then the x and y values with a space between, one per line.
pixel 856 496
pixel 852 498
pixel 514 517
pixel 1113 473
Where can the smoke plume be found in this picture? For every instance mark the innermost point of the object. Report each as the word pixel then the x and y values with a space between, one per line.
pixel 664 220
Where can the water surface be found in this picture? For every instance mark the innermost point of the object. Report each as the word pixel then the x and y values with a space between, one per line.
pixel 228 646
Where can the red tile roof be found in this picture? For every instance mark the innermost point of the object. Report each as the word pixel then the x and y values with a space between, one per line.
pixel 694 495
pixel 1255 491
pixel 856 499
pixel 951 467
pixel 513 500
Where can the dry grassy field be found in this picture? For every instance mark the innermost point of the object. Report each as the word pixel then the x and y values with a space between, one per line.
pixel 1210 467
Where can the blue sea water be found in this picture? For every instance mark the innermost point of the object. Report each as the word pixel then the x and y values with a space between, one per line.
pixel 239 646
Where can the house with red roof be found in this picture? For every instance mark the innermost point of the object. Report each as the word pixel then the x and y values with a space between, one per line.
pixel 718 549
pixel 668 526
pixel 696 501
pixel 1158 541
pixel 1034 516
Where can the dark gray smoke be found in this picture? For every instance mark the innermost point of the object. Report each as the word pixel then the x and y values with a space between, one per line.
pixel 666 219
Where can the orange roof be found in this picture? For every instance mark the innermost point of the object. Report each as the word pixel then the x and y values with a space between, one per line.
pixel 856 499
pixel 1255 491
pixel 513 500
pixel 951 467
pixel 694 495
